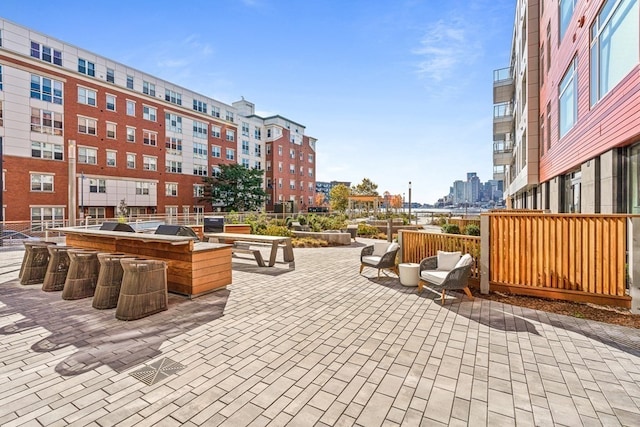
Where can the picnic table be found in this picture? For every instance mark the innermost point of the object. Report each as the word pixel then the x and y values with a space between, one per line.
pixel 274 242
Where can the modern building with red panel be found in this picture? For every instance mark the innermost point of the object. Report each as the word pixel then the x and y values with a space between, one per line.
pixel 583 65
pixel 125 136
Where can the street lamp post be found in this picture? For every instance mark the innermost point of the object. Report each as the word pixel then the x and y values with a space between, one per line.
pixel 409 202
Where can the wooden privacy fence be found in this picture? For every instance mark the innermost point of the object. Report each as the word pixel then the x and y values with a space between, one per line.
pixel 462 223
pixel 417 245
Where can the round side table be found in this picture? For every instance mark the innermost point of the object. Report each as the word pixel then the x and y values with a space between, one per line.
pixel 409 273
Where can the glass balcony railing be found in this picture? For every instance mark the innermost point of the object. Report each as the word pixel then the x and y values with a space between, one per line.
pixel 502 75
pixel 503 110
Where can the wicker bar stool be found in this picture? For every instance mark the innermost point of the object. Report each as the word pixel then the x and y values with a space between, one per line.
pixel 34 263
pixel 57 268
pixel 144 288
pixel 83 274
pixel 109 280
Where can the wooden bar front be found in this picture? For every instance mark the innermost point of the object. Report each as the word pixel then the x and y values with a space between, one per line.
pixel 193 268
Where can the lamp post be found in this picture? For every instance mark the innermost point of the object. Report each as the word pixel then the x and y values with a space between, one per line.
pixel 82 195
pixel 409 202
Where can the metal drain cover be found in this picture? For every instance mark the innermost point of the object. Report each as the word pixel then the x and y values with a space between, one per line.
pixel 157 371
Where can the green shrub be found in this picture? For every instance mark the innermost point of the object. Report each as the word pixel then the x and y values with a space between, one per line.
pixel 451 229
pixel 472 230
pixel 277 230
pixel 367 230
pixel 302 220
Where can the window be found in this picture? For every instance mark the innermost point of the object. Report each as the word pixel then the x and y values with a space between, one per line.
pixel 292 184
pixel 566 12
pixel 97 186
pixel 268 165
pixel 97 212
pixel 257 164
pixel 268 148
pixel 229 116
pixel 568 99
pixel 142 188
pixel 215 151
pixel 245 147
pixel 257 150
pixel 173 97
pixel 149 138
pixel 86 96
pixel 111 103
pixel 46 53
pixel 44 121
pixel 292 153
pixel 199 129
pixel 131 108
pixel 269 133
pixel 1 121
pixel 200 170
pixel 173 122
pixel 292 169
pixel 173 166
pixel 198 190
pixel 111 130
pixel 129 82
pixel 41 182
pixel 131 161
pixel 45 150
pixel 173 144
pixel 149 113
pixel 44 217
pixel 87 155
pixel 279 150
pixel 46 89
pixel 614 46
pixel 245 129
pixel 131 134
pixel 280 186
pixel 148 88
pixel 111 75
pixel 86 67
pixel 215 131
pixel 171 189
pixel 548 46
pixel 310 158
pixel 111 158
pixel 231 135
pixel 548 125
pixel 279 166
pixel 245 163
pixel 215 171
pixel 199 150
pixel 149 163
pixel 215 111
pixel 311 172
pixel 231 154
pixel 87 126
pixel 257 133
pixel 200 106
pixel 0 77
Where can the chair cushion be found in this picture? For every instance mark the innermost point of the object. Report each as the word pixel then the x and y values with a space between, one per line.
pixel 380 248
pixel 434 276
pixel 466 259
pixel 371 260
pixel 447 260
pixel 392 247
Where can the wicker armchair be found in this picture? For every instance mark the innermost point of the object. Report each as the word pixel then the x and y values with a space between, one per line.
pixel 381 256
pixel 446 280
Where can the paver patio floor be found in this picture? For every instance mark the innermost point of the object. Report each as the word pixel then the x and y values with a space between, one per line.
pixel 318 345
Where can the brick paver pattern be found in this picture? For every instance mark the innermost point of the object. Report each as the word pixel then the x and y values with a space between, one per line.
pixel 318 345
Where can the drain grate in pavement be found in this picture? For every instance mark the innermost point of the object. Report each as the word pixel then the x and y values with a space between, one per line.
pixel 157 371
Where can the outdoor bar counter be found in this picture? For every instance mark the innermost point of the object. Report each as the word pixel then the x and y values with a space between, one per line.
pixel 193 268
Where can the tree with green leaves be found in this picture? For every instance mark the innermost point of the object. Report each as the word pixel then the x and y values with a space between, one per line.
pixel 365 188
pixel 339 198
pixel 236 187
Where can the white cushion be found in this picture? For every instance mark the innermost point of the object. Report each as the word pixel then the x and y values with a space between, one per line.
pixel 434 276
pixel 392 247
pixel 371 259
pixel 447 260
pixel 380 248
pixel 464 261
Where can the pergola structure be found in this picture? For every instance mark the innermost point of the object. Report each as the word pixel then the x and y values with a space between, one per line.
pixel 365 200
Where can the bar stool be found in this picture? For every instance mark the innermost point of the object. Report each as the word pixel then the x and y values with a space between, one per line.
pixel 83 274
pixel 34 262
pixel 109 280
pixel 57 268
pixel 144 288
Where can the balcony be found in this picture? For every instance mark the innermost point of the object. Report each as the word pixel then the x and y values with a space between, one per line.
pixel 502 152
pixel 502 119
pixel 503 85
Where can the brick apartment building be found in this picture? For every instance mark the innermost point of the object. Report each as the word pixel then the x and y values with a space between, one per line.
pixel 567 109
pixel 122 134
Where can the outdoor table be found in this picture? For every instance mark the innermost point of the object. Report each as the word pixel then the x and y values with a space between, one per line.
pixel 409 273
pixel 274 242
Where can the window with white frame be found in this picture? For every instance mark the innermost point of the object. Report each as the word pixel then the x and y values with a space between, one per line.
pixel 231 135
pixel 173 166
pixel 149 138
pixel 245 129
pixel 97 185
pixel 111 158
pixel 142 188
pixel 87 155
pixel 301 170
pixel 292 169
pixel 131 161
pixel 131 134
pixel 198 190
pixel 257 164
pixel 200 106
pixel 215 151
pixel 245 163
pixel 173 97
pixel 87 126
pixel 46 217
pixel 111 102
pixel 46 150
pixel 231 154
pixel 129 82
pixel 173 122
pixel 149 113
pixel 257 133
pixel 615 46
pixel 0 77
pixel 215 131
pixel 311 172
pixel 148 88
pixel 279 166
pixel 215 111
pixel 199 150
pixel 199 129
pixel 46 53
pixel 257 151
pixel 268 146
pixel 280 184
pixel 292 153
pixel 46 89
pixel 95 212
pixel 215 171
pixel 111 130
pixel 268 165
pixel 566 12
pixel 200 170
pixel 279 150
pixel 245 147
pixel 86 67
pixel 173 145
pixel 43 121
pixel 171 189
pixel 229 116
pixel 568 99
pixel 86 96
pixel 149 163
pixel 310 158
pixel 111 75
pixel 131 108
pixel 41 182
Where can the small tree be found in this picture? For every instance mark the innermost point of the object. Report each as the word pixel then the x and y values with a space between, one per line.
pixel 236 187
pixel 123 210
pixel 365 188
pixel 320 199
pixel 339 198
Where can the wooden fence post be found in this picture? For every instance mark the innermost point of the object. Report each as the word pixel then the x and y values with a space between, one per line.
pixel 484 253
pixel 633 263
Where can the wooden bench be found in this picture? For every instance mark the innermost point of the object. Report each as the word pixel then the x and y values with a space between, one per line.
pixel 244 248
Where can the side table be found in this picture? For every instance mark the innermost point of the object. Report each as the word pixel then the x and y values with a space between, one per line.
pixel 409 273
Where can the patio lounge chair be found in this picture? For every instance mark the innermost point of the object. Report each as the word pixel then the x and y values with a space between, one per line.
pixel 445 272
pixel 380 255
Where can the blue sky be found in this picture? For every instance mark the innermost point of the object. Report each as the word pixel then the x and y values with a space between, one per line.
pixel 394 90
